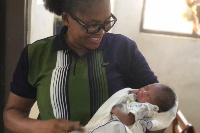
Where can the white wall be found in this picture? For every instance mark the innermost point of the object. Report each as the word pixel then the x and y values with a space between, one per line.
pixel 175 60
pixel 41 21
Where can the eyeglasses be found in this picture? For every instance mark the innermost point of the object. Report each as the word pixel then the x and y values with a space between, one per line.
pixel 92 29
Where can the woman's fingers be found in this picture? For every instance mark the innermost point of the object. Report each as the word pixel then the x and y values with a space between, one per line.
pixel 72 126
pixel 59 126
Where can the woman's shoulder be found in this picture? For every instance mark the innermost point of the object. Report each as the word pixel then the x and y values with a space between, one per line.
pixel 114 36
pixel 41 46
pixel 120 39
pixel 43 42
pixel 117 41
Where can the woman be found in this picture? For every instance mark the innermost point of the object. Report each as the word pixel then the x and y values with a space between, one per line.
pixel 73 73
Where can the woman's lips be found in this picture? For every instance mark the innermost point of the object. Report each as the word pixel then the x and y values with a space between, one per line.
pixel 95 40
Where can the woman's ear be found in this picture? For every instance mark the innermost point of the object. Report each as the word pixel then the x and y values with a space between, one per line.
pixel 65 18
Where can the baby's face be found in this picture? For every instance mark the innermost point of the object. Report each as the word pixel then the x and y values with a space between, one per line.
pixel 147 93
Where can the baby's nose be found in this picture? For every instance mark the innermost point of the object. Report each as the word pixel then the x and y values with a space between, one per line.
pixel 144 93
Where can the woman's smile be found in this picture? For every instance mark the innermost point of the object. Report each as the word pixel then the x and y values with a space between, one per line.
pixel 95 40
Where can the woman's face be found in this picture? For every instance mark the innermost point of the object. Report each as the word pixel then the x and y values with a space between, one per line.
pixel 77 37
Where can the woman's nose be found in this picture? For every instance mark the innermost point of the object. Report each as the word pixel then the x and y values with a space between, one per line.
pixel 101 32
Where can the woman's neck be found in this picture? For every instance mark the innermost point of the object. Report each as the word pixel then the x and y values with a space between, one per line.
pixel 79 50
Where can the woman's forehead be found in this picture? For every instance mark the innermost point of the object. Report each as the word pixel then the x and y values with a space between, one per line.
pixel 98 15
pixel 95 8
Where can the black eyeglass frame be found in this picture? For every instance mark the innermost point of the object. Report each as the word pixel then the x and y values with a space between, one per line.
pixel 100 26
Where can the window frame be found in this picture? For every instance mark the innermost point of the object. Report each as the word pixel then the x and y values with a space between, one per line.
pixel 193 35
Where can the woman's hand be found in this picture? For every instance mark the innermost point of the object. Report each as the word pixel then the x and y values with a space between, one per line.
pixel 57 126
pixel 160 131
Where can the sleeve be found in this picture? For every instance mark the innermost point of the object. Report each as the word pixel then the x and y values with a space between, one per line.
pixel 140 73
pixel 20 85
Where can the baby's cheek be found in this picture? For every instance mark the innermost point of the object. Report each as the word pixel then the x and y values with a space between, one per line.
pixel 143 100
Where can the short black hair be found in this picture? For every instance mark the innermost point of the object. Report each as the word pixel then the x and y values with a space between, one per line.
pixel 166 98
pixel 68 6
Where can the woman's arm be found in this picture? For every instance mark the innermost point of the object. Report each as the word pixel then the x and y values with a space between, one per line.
pixel 16 114
pixel 160 131
pixel 16 119
pixel 126 118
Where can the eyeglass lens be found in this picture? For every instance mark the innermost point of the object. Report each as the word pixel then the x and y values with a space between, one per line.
pixel 106 27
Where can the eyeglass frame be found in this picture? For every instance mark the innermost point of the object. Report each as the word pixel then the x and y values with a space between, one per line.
pixel 100 26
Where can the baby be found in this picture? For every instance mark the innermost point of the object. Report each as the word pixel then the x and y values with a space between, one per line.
pixel 162 96
pixel 138 109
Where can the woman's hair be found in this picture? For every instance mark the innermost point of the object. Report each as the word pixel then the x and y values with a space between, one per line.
pixel 68 6
pixel 166 98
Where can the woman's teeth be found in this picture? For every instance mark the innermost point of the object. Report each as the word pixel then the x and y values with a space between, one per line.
pixel 95 39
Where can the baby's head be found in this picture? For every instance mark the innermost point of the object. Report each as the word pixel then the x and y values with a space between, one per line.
pixel 158 94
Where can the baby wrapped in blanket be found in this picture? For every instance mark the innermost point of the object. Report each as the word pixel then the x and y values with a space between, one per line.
pixel 135 111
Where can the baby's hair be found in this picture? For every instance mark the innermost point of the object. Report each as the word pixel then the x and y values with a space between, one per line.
pixel 167 98
pixel 68 6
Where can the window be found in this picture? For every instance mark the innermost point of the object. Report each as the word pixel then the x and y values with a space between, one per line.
pixel 172 17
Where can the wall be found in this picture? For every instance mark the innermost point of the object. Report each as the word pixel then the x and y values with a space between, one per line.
pixel 2 59
pixel 41 24
pixel 175 60
pixel 14 39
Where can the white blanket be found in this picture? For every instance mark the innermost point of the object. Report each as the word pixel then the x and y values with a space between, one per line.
pixel 100 122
